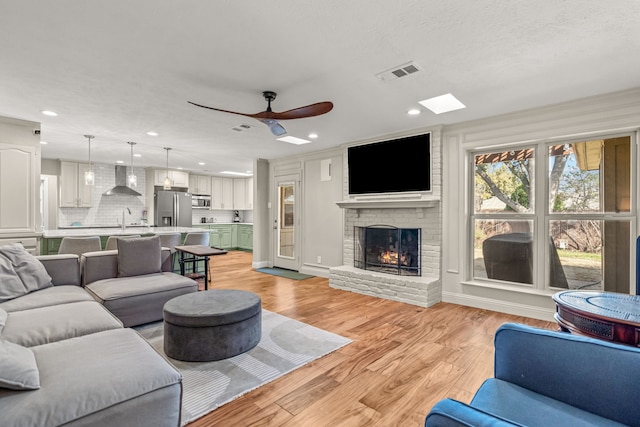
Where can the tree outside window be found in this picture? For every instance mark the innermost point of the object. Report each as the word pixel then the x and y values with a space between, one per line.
pixel 583 249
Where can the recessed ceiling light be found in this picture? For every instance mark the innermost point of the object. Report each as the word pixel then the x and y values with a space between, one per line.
pixel 201 163
pixel 443 103
pixel 43 142
pixel 49 113
pixel 150 133
pixel 413 112
pixel 248 173
pixel 293 140
pixel 137 155
pixel 119 162
pixel 313 135
pixel 179 168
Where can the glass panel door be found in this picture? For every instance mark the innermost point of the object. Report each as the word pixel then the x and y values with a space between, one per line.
pixel 286 223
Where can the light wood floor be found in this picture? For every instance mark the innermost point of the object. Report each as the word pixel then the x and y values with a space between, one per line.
pixel 403 358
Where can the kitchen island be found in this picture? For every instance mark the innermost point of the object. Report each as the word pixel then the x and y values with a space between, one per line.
pixel 50 241
pixel 229 235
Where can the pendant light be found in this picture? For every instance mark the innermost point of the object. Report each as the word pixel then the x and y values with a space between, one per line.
pixel 132 179
pixel 89 176
pixel 167 180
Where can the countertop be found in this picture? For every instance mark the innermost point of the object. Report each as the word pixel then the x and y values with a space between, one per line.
pixel 83 232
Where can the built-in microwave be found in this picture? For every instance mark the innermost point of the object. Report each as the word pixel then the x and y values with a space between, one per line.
pixel 200 201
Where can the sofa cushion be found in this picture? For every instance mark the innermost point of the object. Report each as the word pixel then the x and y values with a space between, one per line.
pixel 523 406
pixel 85 376
pixel 139 256
pixel 18 369
pixel 3 319
pixel 54 295
pixel 450 412
pixel 140 299
pixel 27 267
pixel 56 323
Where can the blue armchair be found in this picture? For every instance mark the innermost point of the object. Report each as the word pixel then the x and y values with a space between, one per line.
pixel 549 378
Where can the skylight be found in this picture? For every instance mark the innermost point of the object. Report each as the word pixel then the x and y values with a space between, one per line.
pixel 293 140
pixel 443 103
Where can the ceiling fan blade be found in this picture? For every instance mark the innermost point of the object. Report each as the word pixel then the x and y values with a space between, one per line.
pixel 312 110
pixel 218 109
pixel 276 128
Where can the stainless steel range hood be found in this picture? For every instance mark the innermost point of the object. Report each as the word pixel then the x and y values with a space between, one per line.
pixel 121 184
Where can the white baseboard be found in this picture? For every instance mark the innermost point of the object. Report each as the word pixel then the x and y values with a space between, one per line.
pixel 315 270
pixel 540 313
pixel 259 264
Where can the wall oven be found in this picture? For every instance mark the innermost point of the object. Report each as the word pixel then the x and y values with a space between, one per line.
pixel 200 201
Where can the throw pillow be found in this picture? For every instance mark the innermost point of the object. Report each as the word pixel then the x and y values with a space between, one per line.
pixel 139 256
pixel 18 368
pixel 17 263
pixel 10 284
pixel 3 319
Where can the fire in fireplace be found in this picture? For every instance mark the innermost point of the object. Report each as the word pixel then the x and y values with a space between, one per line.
pixel 387 249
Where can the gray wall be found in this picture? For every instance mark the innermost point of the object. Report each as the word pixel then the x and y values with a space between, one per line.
pixel 261 223
pixel 322 218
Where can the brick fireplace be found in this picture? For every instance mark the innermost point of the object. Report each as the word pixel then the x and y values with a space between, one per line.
pixel 424 290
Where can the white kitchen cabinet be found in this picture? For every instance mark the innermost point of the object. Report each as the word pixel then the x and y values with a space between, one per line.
pixel 178 178
pixel 239 194
pixel 249 194
pixel 18 196
pixel 200 184
pixel 29 243
pixel 221 193
pixel 73 191
pixel 243 194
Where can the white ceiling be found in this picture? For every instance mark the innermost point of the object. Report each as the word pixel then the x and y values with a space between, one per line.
pixel 117 69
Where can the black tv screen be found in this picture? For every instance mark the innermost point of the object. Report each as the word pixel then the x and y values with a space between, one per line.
pixel 398 165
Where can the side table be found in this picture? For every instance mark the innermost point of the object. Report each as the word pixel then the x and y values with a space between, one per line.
pixel 199 253
pixel 606 315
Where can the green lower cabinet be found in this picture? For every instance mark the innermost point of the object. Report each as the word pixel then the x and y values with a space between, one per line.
pixel 214 239
pixel 245 236
pixel 221 236
pixel 50 246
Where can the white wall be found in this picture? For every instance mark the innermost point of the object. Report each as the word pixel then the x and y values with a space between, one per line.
pixel 609 114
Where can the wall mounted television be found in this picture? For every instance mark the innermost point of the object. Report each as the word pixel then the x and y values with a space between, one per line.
pixel 393 166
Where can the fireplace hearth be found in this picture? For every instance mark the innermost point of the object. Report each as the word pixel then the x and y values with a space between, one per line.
pixel 387 249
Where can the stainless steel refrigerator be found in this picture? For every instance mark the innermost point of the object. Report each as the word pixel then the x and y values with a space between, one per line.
pixel 172 209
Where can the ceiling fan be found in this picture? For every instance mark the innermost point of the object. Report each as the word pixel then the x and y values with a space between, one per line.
pixel 270 117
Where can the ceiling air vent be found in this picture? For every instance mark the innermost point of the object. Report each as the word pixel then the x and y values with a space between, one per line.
pixel 398 72
pixel 241 127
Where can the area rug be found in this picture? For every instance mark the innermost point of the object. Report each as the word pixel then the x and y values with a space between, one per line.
pixel 282 272
pixel 286 345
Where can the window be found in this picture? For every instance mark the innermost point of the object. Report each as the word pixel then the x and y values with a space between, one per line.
pixel 575 235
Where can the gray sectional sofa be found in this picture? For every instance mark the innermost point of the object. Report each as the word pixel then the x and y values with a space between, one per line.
pixel 66 359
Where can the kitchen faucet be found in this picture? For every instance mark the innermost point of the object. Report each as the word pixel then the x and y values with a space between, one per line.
pixel 123 212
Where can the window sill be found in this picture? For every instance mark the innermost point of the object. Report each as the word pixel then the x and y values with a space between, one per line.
pixel 521 289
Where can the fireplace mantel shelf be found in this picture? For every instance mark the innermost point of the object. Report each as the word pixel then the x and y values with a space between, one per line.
pixel 388 203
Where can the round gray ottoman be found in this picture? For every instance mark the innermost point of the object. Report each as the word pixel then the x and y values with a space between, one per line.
pixel 212 325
